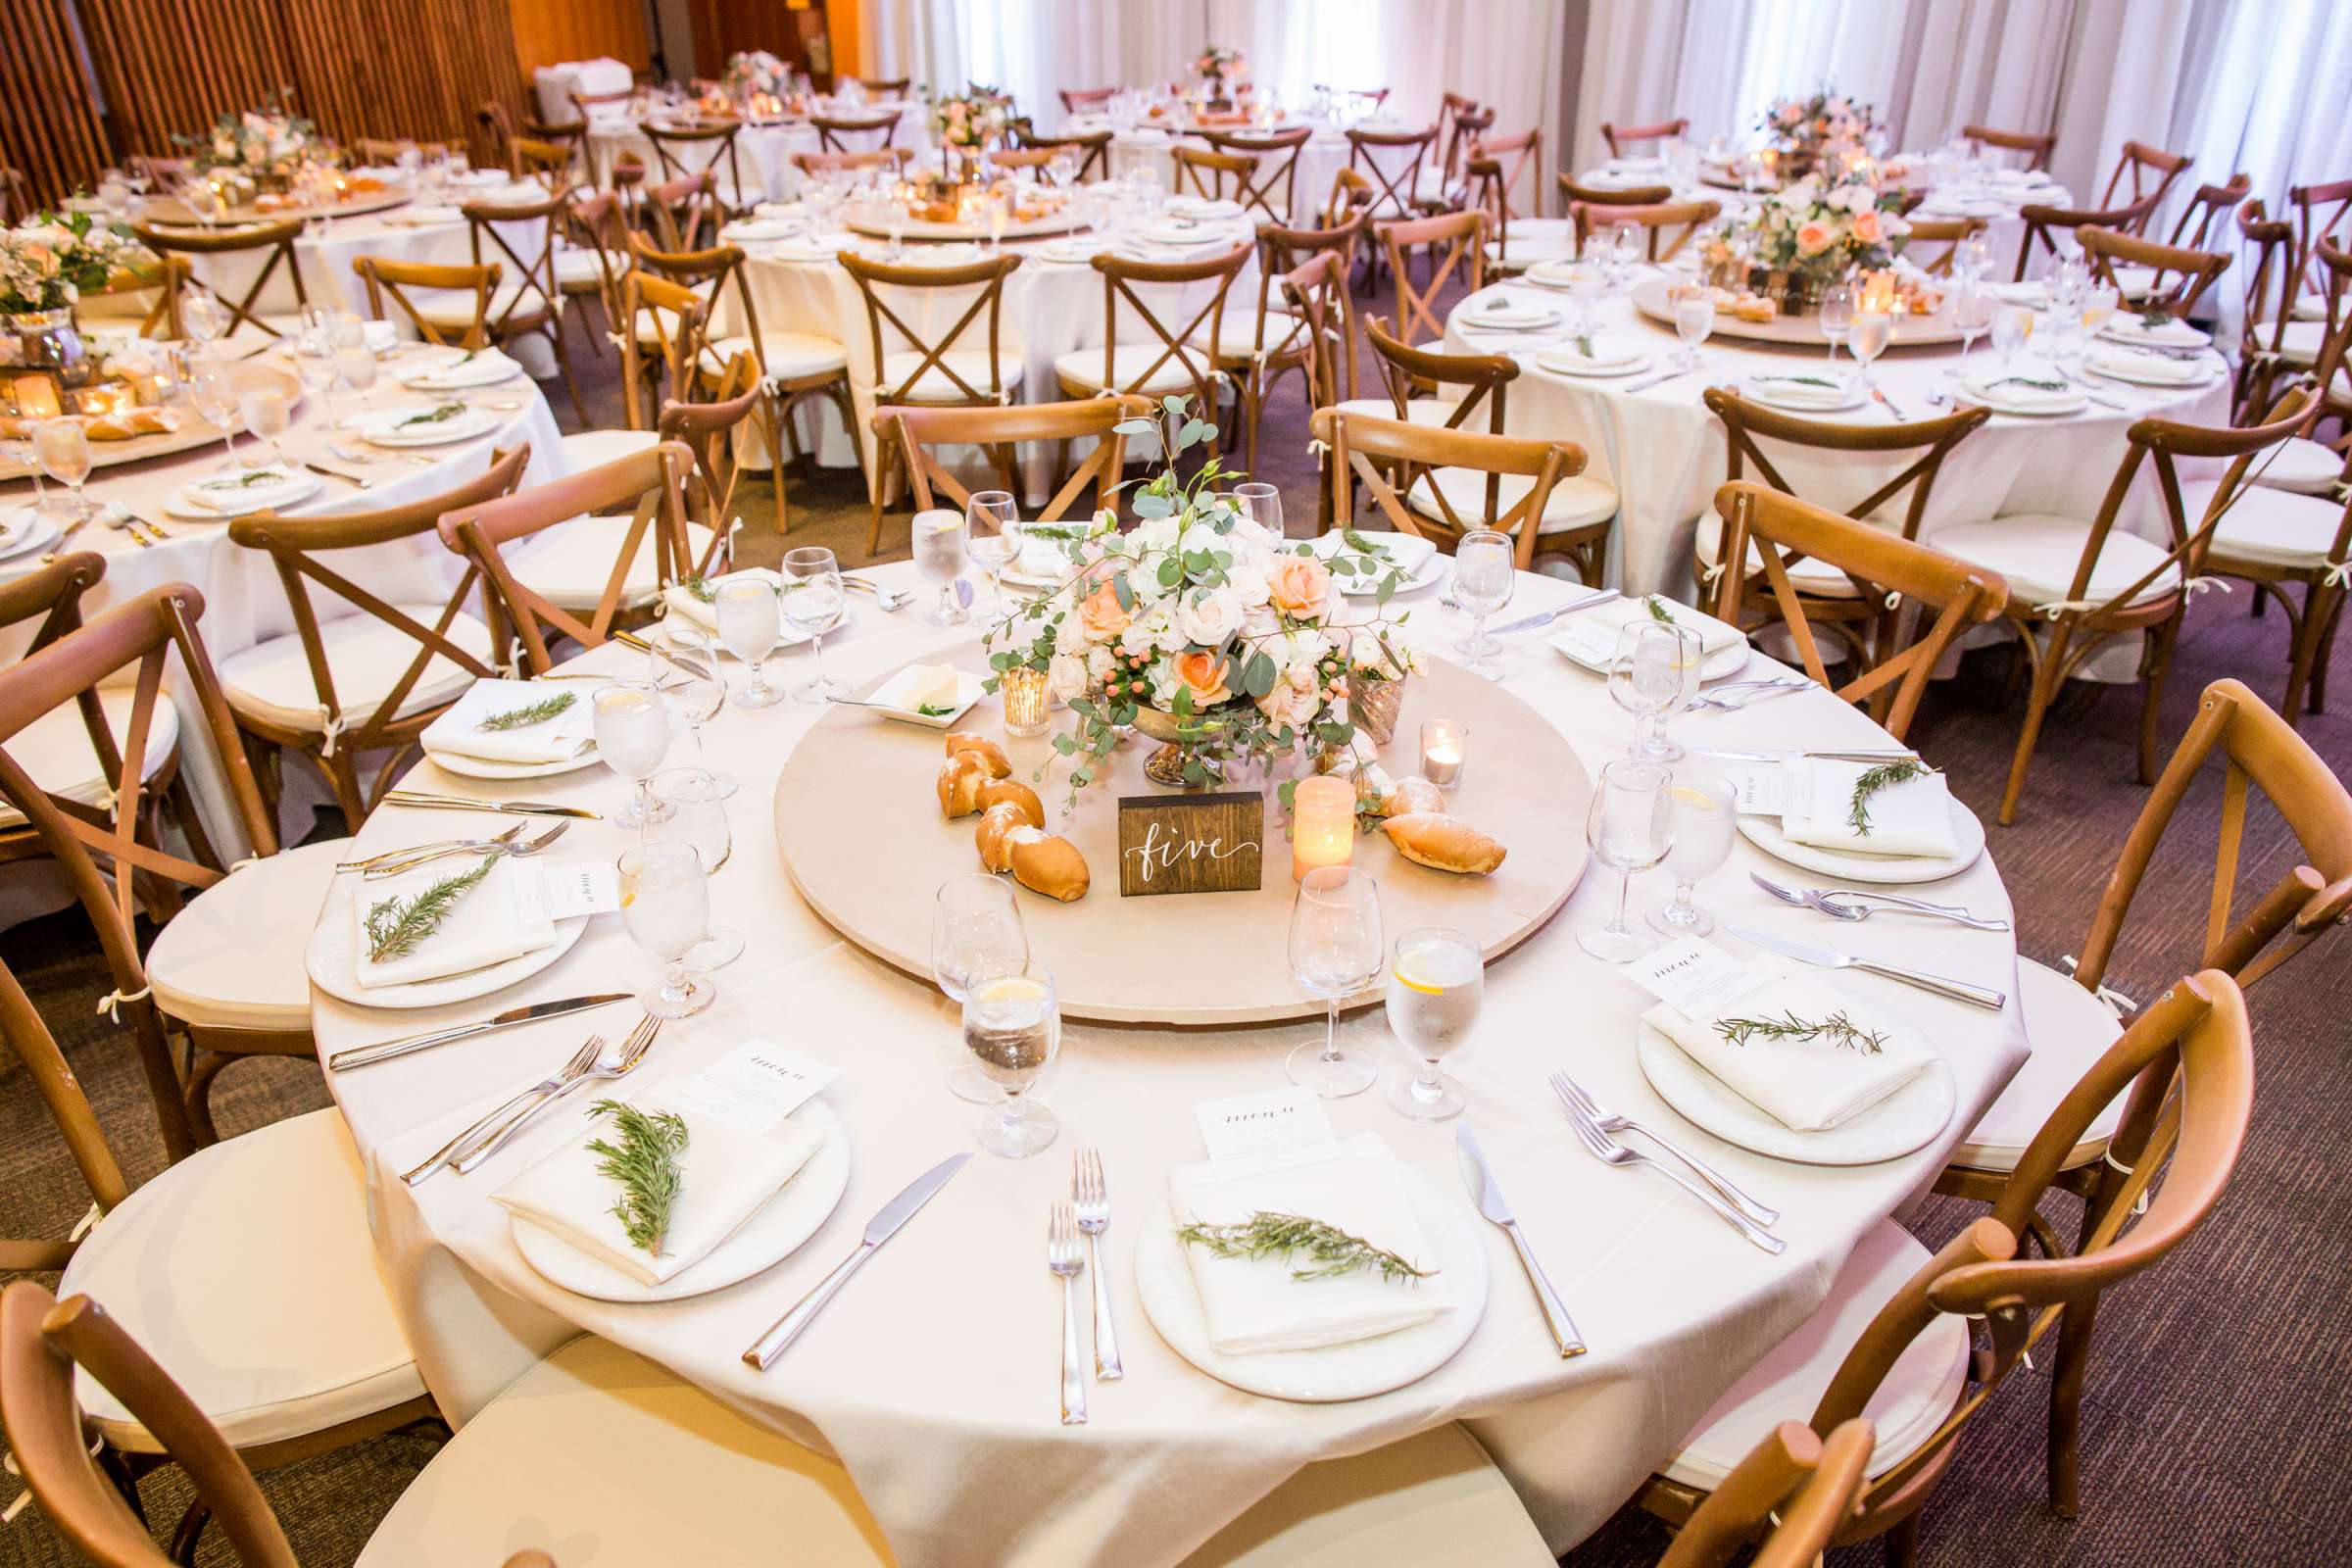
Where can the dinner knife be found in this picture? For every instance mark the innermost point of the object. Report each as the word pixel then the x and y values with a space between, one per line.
pixel 454 802
pixel 1892 754
pixel 1491 1204
pixel 361 1055
pixel 1545 617
pixel 1958 990
pixel 881 1228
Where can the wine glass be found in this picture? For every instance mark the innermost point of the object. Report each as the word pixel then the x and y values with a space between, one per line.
pixel 1837 313
pixel 1694 319
pixel 2012 326
pixel 939 543
pixel 693 803
pixel 975 926
pixel 314 369
pixel 1484 571
pixel 1704 811
pixel 1654 672
pixel 1334 952
pixel 64 447
pixel 1437 983
pixel 1972 314
pixel 812 601
pixel 1624 241
pixel 266 417
pixel 354 367
pixel 665 906
pixel 1262 504
pixel 2100 306
pixel 684 666
pixel 1012 1027
pixel 748 623
pixel 202 317
pixel 215 393
pixel 632 736
pixel 1972 259
pixel 1870 334
pixel 993 536
pixel 1631 828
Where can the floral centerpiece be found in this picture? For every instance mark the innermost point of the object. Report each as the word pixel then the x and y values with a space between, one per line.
pixel 1808 234
pixel 1217 63
pixel 1202 631
pixel 267 146
pixel 972 119
pixel 1806 128
pixel 47 263
pixel 755 73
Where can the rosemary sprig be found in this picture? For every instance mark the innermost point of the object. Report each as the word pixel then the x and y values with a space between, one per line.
pixel 396 925
pixel 1885 777
pixel 525 717
pixel 1657 610
pixel 447 410
pixel 1837 1029
pixel 646 1164
pixel 1800 380
pixel 2154 320
pixel 2026 380
pixel 1583 344
pixel 246 481
pixel 1330 1251
pixel 699 585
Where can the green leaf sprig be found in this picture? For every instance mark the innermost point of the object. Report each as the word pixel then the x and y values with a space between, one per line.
pixel 1330 1251
pixel 646 1164
pixel 433 416
pixel 934 709
pixel 695 583
pixel 1885 777
pixel 1657 610
pixel 538 712
pixel 397 925
pixel 1837 1029
pixel 2026 380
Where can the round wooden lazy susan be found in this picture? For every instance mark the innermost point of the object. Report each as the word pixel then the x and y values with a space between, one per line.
pixel 194 431
pixel 858 828
pixel 1800 331
pixel 931 231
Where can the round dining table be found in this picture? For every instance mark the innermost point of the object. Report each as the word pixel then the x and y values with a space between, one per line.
pixel 933 1376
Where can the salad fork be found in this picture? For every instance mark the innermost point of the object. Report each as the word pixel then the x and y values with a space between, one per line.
pixel 1609 1121
pixel 581 1061
pixel 1093 1198
pixel 1061 1256
pixel 1738 694
pixel 632 1051
pixel 1601 1146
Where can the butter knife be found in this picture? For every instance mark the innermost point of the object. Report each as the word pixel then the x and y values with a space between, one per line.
pixel 881 1228
pixel 361 1055
pixel 1806 953
pixel 452 803
pixel 1491 1204
pixel 1545 617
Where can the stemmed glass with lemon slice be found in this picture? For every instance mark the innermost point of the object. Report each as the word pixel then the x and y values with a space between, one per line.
pixel 1703 807
pixel 1436 984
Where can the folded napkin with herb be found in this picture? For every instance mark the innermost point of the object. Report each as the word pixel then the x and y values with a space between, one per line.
pixel 515 721
pixel 1892 808
pixel 455 368
pixel 447 919
pixel 254 490
pixel 1803 1052
pixel 1798 391
pixel 1502 310
pixel 1593 350
pixel 1351 1276
pixel 1045 550
pixel 2129 365
pixel 1590 636
pixel 758 230
pixel 2034 388
pixel 426 424
pixel 2167 331
pixel 1406 552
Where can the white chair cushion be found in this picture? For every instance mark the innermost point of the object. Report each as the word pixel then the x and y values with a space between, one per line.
pixel 570 563
pixel 787 354
pixel 452 307
pixel 232 956
pixel 533 1470
pixel 2037 554
pixel 935 385
pixel 2303 341
pixel 1083 367
pixel 1808 576
pixel 56 752
pixel 2308 308
pixel 1919 1391
pixel 593 449
pixel 246 1270
pixel 1573 503
pixel 271 681
pixel 1417 411
pixel 2266 526
pixel 2301 464
pixel 2066 1028
pixel 1237 334
pixel 579 265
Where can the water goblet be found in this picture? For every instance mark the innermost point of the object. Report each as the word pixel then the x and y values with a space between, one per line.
pixel 2012 326
pixel 1485 573
pixel 993 537
pixel 1694 319
pixel 215 394
pixel 2100 306
pixel 1012 1027
pixel 632 736
pixel 938 545
pixel 1972 314
pixel 314 369
pixel 1436 984
pixel 684 666
pixel 665 907
pixel 813 598
pixel 1837 315
pixel 1334 952
pixel 63 446
pixel 354 367
pixel 1868 337
pixel 1704 811
pixel 1625 244
pixel 693 802
pixel 975 927
pixel 1631 829
pixel 1262 504
pixel 749 612
pixel 266 417
pixel 1654 672
pixel 202 317
pixel 1973 258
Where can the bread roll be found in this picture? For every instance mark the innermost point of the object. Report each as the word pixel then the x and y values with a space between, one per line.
pixel 1013 792
pixel 1045 863
pixel 961 779
pixel 993 839
pixel 964 741
pixel 1413 793
pixel 1442 843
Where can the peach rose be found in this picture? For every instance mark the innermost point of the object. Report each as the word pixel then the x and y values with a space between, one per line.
pixel 1866 226
pixel 1299 586
pixel 1101 615
pixel 1812 238
pixel 1204 675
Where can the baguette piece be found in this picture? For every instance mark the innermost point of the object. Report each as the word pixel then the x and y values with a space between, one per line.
pixel 994 837
pixel 961 777
pixel 1413 793
pixel 1442 843
pixel 966 740
pixel 1048 864
pixel 1013 792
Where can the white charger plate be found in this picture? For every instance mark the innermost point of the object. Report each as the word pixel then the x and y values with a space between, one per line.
pixel 1999 402
pixel 457 376
pixel 2139 378
pixel 465 767
pixel 1720 664
pixel 332 953
pixel 23 532
pixel 1763 391
pixel 1561 363
pixel 773 1234
pixel 969 690
pixel 179 511
pixel 472 426
pixel 1907 1119
pixel 1764 832
pixel 1337 1372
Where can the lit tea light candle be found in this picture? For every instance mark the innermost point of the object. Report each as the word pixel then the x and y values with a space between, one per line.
pixel 1028 702
pixel 1445 742
pixel 1322 823
pixel 37 397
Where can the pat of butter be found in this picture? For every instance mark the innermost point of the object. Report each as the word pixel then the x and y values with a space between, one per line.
pixel 932 686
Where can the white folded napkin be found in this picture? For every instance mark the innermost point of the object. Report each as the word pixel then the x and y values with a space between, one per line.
pixel 501 916
pixel 401 427
pixel 1254 1304
pixel 1993 387
pixel 778 209
pixel 1590 636
pixel 1807 1085
pixel 550 739
pixel 418 216
pixel 1048 558
pixel 2129 365
pixel 1910 818
pixel 1609 351
pixel 1406 552
pixel 2171 332
pixel 683 601
pixel 1798 391
pixel 1187 233
pixel 2026 293
pixel 1558 272
pixel 457 368
pixel 1203 207
pixel 232 495
pixel 1652 165
pixel 758 231
pixel 1497 310
pixel 727 1175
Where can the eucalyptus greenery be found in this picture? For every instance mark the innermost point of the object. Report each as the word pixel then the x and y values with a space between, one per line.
pixel 1330 1251
pixel 646 1164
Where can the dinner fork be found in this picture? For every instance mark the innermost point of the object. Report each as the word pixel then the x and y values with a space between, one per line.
pixel 451 845
pixel 621 1065
pixel 1610 1152
pixel 1061 1256
pixel 527 847
pixel 1827 902
pixel 1093 1195
pixel 1738 694
pixel 1609 1121
pixel 581 1061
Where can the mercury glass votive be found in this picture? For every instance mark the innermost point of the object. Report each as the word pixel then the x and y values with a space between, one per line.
pixel 1322 823
pixel 1028 702
pixel 1444 748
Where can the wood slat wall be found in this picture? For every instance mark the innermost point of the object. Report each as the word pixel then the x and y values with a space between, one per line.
pixel 49 130
pixel 547 33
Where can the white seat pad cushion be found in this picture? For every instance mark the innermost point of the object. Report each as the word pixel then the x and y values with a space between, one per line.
pixel 1084 367
pixel 1573 503
pixel 2300 464
pixel 454 307
pixel 1808 576
pixel 2037 554
pixel 936 385
pixel 2068 1028
pixel 2302 343
pixel 570 563
pixel 580 266
pixel 787 354
pixel 1920 1390
pixel 533 1471
pixel 1417 411
pixel 246 1270
pixel 56 752
pixel 593 449
pixel 1237 335
pixel 271 681
pixel 2272 527
pixel 232 956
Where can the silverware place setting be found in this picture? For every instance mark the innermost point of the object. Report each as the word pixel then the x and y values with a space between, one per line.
pixel 499 842
pixel 1496 1210
pixel 1090 1195
pixel 588 1064
pixel 506 844
pixel 1967 991
pixel 1062 1258
pixel 1733 696
pixel 459 803
pixel 1838 903
pixel 1609 1121
pixel 609 1066
pixel 534 1013
pixel 1601 1146
pixel 881 1228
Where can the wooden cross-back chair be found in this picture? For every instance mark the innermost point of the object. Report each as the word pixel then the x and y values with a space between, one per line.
pixel 2143 174
pixel 276 239
pixel 1080 100
pixel 1210 174
pixel 1351 197
pixel 1857 619
pixel 1390 161
pixel 388 276
pixel 1572 193
pixel 846 133
pixel 381 151
pixel 2208 210
pixel 1094 484
pixel 671 321
pixel 2304 538
pixel 1278 342
pixel 1947 232
pixel 1142 352
pixel 1666 226
pixel 169 281
pixel 1456 246
pixel 2044 224
pixel 2321 213
pixel 529 302
pixel 1796 1484
pixel 1903 582
pixel 547 162
pixel 837 163
pixel 708 428
pixel 1441 186
pixel 1269 189
pixel 1506 171
pixel 2171 278
pixel 1092 149
pixel 2035 145
pixel 884 86
pixel 650 486
pixel 587 107
pixel 1030 158
pixel 1318 294
pixel 681 150
pixel 1483 380
pixel 592 264
pixel 1621 137
pixel 1392 459
pixel 2271 343
pixel 682 214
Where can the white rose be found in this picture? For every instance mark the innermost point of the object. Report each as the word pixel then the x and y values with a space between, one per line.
pixel 1166 635
pixel 1067 677
pixel 1162 676
pixel 1210 616
pixel 1098 664
pixel 1249 585
pixel 1136 641
pixel 1260 622
pixel 1287 705
pixel 1203 537
pixel 1159 533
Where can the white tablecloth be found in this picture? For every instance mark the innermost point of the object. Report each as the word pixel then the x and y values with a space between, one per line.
pixel 1320 161
pixel 932 1377
pixel 764 153
pixel 324 253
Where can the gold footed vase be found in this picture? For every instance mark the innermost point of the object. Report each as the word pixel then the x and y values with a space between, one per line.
pixel 1165 766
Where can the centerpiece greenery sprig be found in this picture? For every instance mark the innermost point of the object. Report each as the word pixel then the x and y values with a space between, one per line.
pixel 1837 1029
pixel 646 1164
pixel 1329 1251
